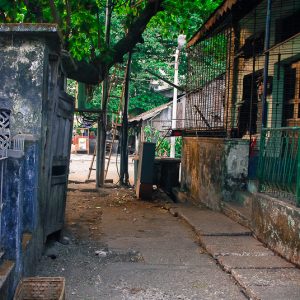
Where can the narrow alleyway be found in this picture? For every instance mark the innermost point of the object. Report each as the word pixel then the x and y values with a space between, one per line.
pixel 117 247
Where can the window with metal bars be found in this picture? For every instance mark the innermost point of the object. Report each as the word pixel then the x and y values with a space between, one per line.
pixel 4 129
pixel 206 86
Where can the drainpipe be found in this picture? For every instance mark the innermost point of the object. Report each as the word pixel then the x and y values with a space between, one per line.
pixel 266 66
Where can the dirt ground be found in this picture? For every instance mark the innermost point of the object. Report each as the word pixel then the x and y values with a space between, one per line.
pixel 115 246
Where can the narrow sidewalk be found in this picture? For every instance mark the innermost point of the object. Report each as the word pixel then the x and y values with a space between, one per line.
pixel 262 273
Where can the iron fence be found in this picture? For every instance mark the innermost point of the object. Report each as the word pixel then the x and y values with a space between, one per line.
pixel 279 162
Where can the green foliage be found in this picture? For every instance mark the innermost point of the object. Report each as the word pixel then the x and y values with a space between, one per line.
pixel 163 145
pixel 183 16
pixel 82 25
pixel 178 146
pixel 82 21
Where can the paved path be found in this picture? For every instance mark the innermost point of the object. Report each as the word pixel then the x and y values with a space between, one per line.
pixel 174 265
pixel 262 273
pixel 122 248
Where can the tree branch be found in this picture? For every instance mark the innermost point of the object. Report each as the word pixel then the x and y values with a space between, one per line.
pixel 68 19
pixel 54 13
pixel 94 72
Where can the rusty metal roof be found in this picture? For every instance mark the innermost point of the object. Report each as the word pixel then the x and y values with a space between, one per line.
pixel 150 113
pixel 238 8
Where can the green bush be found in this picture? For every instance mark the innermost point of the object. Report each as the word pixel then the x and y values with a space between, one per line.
pixel 163 145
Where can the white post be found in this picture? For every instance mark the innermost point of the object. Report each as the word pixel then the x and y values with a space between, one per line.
pixel 174 108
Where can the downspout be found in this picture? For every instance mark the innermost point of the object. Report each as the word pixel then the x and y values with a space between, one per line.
pixel 266 65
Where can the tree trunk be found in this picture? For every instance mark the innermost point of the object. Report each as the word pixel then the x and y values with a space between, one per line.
pixel 102 120
pixel 124 176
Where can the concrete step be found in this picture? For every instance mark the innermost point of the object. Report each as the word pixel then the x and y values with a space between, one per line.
pixel 6 276
pixel 206 222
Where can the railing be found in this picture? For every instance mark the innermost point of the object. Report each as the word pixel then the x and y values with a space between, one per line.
pixel 279 162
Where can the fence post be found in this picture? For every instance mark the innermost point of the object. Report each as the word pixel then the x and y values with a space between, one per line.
pixel 261 157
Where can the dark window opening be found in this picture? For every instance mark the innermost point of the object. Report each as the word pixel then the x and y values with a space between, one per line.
pixel 291 95
pixel 253 46
pixel 248 111
pixel 59 170
pixel 288 112
pixel 287 27
pixel 289 83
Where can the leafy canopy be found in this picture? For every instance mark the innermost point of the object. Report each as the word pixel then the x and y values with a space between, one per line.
pixel 82 21
pixel 82 24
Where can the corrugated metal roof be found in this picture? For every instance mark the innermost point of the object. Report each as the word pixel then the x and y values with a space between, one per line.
pixel 238 7
pixel 150 113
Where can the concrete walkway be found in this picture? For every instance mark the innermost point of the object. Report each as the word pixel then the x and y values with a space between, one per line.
pixel 262 273
pixel 122 248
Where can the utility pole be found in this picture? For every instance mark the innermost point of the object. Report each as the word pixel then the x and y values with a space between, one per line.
pixel 181 42
pixel 102 119
pixel 174 108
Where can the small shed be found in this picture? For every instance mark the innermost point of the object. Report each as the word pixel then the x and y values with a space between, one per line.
pixel 158 118
pixel 36 123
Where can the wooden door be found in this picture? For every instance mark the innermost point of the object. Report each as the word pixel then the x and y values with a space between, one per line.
pixel 60 145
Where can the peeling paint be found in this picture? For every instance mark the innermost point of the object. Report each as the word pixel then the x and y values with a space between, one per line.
pixel 22 81
pixel 213 169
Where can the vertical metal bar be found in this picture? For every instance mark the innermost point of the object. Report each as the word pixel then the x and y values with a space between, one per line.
pixel 298 172
pixel 174 108
pixel 266 64
pixel 261 161
pixel 227 80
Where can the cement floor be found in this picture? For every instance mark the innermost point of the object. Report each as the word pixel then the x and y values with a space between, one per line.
pixel 118 247
pixel 123 248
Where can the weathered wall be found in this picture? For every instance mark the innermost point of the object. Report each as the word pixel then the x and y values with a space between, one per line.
pixel 213 169
pixel 26 90
pixel 21 79
pixel 277 224
pixel 202 166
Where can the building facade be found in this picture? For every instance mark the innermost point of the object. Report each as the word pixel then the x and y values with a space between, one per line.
pixel 241 144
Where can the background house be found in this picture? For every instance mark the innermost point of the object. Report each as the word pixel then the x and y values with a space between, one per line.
pixel 158 118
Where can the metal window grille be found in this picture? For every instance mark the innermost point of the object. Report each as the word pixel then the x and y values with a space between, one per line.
pixel 4 145
pixel 278 170
pixel 4 132
pixel 206 85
